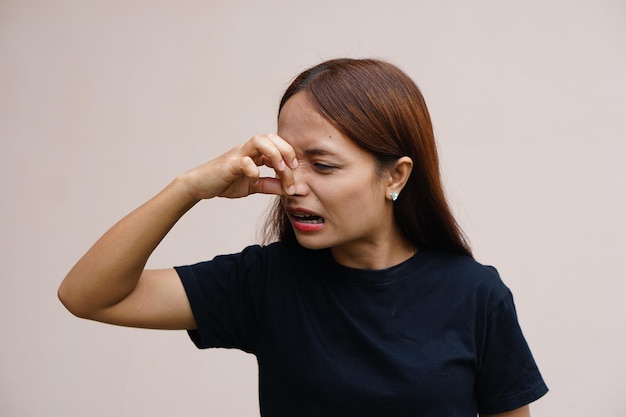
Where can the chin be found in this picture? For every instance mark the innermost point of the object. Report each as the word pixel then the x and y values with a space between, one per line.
pixel 309 242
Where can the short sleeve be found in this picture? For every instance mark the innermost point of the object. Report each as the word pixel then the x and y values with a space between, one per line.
pixel 225 295
pixel 508 377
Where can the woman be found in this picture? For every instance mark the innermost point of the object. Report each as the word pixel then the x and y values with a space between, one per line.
pixel 368 302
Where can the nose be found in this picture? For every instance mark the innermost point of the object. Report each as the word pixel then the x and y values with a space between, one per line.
pixel 300 178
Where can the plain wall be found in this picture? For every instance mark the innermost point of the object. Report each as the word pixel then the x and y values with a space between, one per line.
pixel 102 103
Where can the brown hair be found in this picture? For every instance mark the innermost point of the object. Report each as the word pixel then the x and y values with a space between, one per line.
pixel 381 109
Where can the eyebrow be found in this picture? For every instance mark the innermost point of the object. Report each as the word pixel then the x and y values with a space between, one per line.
pixel 317 152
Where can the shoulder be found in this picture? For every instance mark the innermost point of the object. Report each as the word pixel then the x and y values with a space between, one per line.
pixel 464 275
pixel 460 265
pixel 259 258
pixel 256 253
pixel 255 260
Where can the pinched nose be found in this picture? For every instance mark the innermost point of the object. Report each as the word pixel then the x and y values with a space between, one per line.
pixel 300 181
pixel 301 189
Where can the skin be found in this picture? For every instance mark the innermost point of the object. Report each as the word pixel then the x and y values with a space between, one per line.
pixel 109 283
pixel 317 170
pixel 519 412
pixel 338 181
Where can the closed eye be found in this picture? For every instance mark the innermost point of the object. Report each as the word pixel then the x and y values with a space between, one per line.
pixel 323 167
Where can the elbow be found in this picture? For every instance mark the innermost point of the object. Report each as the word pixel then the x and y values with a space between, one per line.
pixel 72 303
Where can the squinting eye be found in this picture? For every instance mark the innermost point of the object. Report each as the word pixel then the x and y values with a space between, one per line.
pixel 323 167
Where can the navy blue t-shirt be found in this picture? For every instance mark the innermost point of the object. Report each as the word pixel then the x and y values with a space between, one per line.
pixel 436 335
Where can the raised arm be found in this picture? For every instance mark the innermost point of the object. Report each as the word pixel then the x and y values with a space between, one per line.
pixel 109 283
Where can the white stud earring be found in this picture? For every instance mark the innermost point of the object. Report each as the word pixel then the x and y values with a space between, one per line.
pixel 393 195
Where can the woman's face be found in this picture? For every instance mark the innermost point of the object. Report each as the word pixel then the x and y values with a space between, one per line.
pixel 341 201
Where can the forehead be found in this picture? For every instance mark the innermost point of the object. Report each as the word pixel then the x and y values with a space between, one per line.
pixel 301 125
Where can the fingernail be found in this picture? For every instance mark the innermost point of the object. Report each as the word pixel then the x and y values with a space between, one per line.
pixel 291 190
pixel 282 165
pixel 294 163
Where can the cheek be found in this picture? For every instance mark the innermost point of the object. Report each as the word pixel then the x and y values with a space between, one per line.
pixel 351 200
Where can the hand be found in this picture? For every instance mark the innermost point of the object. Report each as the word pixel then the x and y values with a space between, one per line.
pixel 236 173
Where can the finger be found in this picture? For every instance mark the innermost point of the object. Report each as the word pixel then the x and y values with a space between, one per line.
pixel 286 150
pixel 274 152
pixel 267 162
pixel 286 165
pixel 268 186
pixel 250 170
pixel 271 150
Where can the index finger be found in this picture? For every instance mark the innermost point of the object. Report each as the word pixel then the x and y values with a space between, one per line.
pixel 279 155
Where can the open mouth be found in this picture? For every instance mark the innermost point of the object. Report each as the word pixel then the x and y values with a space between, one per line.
pixel 306 218
pixel 305 221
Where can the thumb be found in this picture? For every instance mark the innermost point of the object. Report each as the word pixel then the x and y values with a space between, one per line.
pixel 267 186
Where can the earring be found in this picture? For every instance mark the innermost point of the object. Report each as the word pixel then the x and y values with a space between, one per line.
pixel 393 195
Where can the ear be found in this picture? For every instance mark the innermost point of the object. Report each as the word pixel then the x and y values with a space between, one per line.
pixel 399 175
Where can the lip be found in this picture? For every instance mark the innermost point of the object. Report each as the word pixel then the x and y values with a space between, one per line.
pixel 303 226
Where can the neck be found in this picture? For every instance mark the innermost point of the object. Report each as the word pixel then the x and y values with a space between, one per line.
pixel 374 256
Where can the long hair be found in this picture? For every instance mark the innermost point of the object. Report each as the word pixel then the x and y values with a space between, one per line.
pixel 380 108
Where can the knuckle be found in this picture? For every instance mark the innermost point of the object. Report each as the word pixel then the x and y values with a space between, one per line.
pixel 256 139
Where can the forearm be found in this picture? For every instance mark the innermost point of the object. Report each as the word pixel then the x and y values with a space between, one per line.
pixel 107 282
pixel 109 271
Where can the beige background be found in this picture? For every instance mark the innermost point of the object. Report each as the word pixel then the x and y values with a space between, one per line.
pixel 102 103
